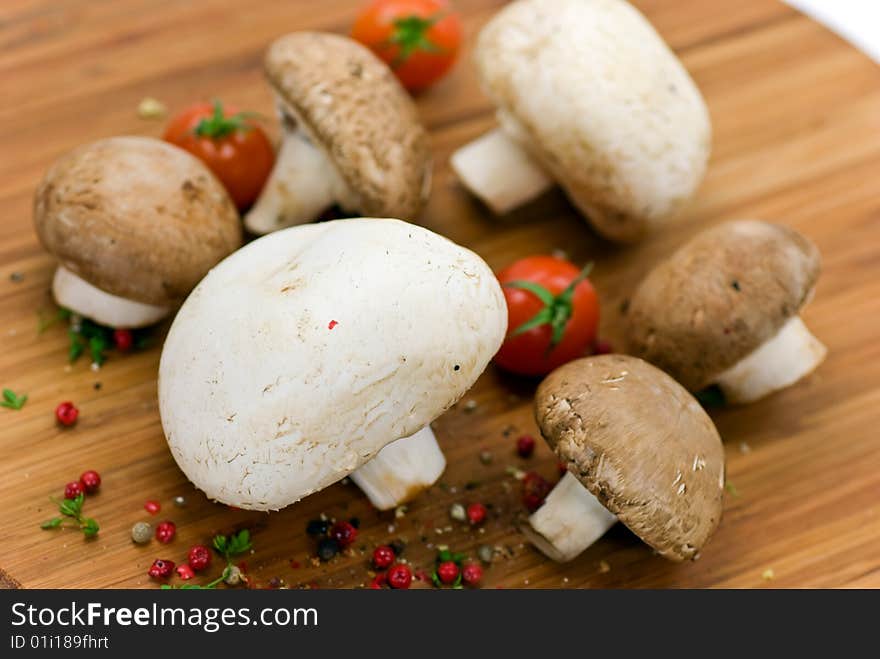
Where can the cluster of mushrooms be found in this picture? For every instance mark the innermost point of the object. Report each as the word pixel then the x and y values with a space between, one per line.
pixel 325 350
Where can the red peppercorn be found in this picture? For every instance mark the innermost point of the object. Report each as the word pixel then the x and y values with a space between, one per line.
pixel 525 446
pixel 535 490
pixel 165 532
pixel 602 348
pixel 383 556
pixel 152 507
pixel 123 339
pixel 73 489
pixel 447 572
pixel 199 557
pixel 91 481
pixel 161 569
pixel 185 572
pixel 399 576
pixel 66 413
pixel 471 574
pixel 476 513
pixel 344 533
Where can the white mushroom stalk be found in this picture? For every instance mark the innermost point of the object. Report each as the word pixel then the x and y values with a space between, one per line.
pixel 779 362
pixel 303 184
pixel 74 293
pixel 570 520
pixel 500 172
pixel 401 470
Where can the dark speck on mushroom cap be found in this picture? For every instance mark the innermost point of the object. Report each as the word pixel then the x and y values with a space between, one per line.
pixel 136 217
pixel 641 444
pixel 719 297
pixel 351 103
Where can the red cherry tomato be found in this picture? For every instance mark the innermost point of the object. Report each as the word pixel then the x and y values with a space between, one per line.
pixel 553 315
pixel 229 143
pixel 418 39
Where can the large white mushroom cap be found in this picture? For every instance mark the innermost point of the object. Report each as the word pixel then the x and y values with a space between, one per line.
pixel 300 356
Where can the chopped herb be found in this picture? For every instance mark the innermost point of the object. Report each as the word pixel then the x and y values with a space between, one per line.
pixel 229 547
pixel 72 508
pixel 731 489
pixel 13 400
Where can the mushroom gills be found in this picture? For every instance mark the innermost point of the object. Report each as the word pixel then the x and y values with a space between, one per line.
pixel 302 185
pixel 401 470
pixel 78 295
pixel 790 355
pixel 500 172
pixel 570 520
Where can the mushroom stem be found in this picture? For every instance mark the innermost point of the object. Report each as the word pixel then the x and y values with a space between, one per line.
pixel 302 185
pixel 777 363
pixel 570 520
pixel 500 172
pixel 401 470
pixel 76 294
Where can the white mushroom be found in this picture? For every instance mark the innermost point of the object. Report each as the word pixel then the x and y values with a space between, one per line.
pixel 302 356
pixel 590 97
pixel 135 224
pixel 351 135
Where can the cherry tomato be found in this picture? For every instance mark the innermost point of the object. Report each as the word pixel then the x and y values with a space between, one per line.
pixel 553 314
pixel 229 143
pixel 418 39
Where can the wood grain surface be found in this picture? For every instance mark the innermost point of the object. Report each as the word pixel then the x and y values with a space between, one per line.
pixel 796 114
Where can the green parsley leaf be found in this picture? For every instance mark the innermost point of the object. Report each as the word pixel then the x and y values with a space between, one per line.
pixel 53 523
pixel 89 527
pixel 12 400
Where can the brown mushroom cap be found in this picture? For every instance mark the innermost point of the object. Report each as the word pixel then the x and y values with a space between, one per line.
pixel 136 217
pixel 719 297
pixel 641 445
pixel 349 102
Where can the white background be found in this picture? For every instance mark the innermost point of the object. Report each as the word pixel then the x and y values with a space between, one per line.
pixel 856 20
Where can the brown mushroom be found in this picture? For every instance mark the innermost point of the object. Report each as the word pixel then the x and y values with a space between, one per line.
pixel 352 135
pixel 724 310
pixel 638 448
pixel 135 224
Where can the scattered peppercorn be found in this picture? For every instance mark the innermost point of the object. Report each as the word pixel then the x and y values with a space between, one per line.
pixel 397 547
pixel 457 512
pixel 447 572
pixel 471 574
pixel 199 557
pixel 16 277
pixel 355 522
pixel 486 553
pixel 161 569
pixel 327 549
pixel 535 490
pixel 141 533
pixel 72 490
pixel 317 527
pixel 476 513
pixel 399 576
pixel 485 457
pixel 152 507
pixel 165 532
pixel 602 348
pixel 525 446
pixel 66 413
pixel 232 576
pixel 344 533
pixel 123 339
pixel 185 572
pixel 91 481
pixel 383 557
pixel 179 501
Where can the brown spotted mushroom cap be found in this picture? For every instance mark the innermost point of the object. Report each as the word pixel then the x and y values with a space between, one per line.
pixel 719 297
pixel 641 444
pixel 136 217
pixel 352 106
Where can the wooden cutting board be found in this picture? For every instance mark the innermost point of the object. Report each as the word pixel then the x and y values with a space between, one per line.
pixel 796 113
